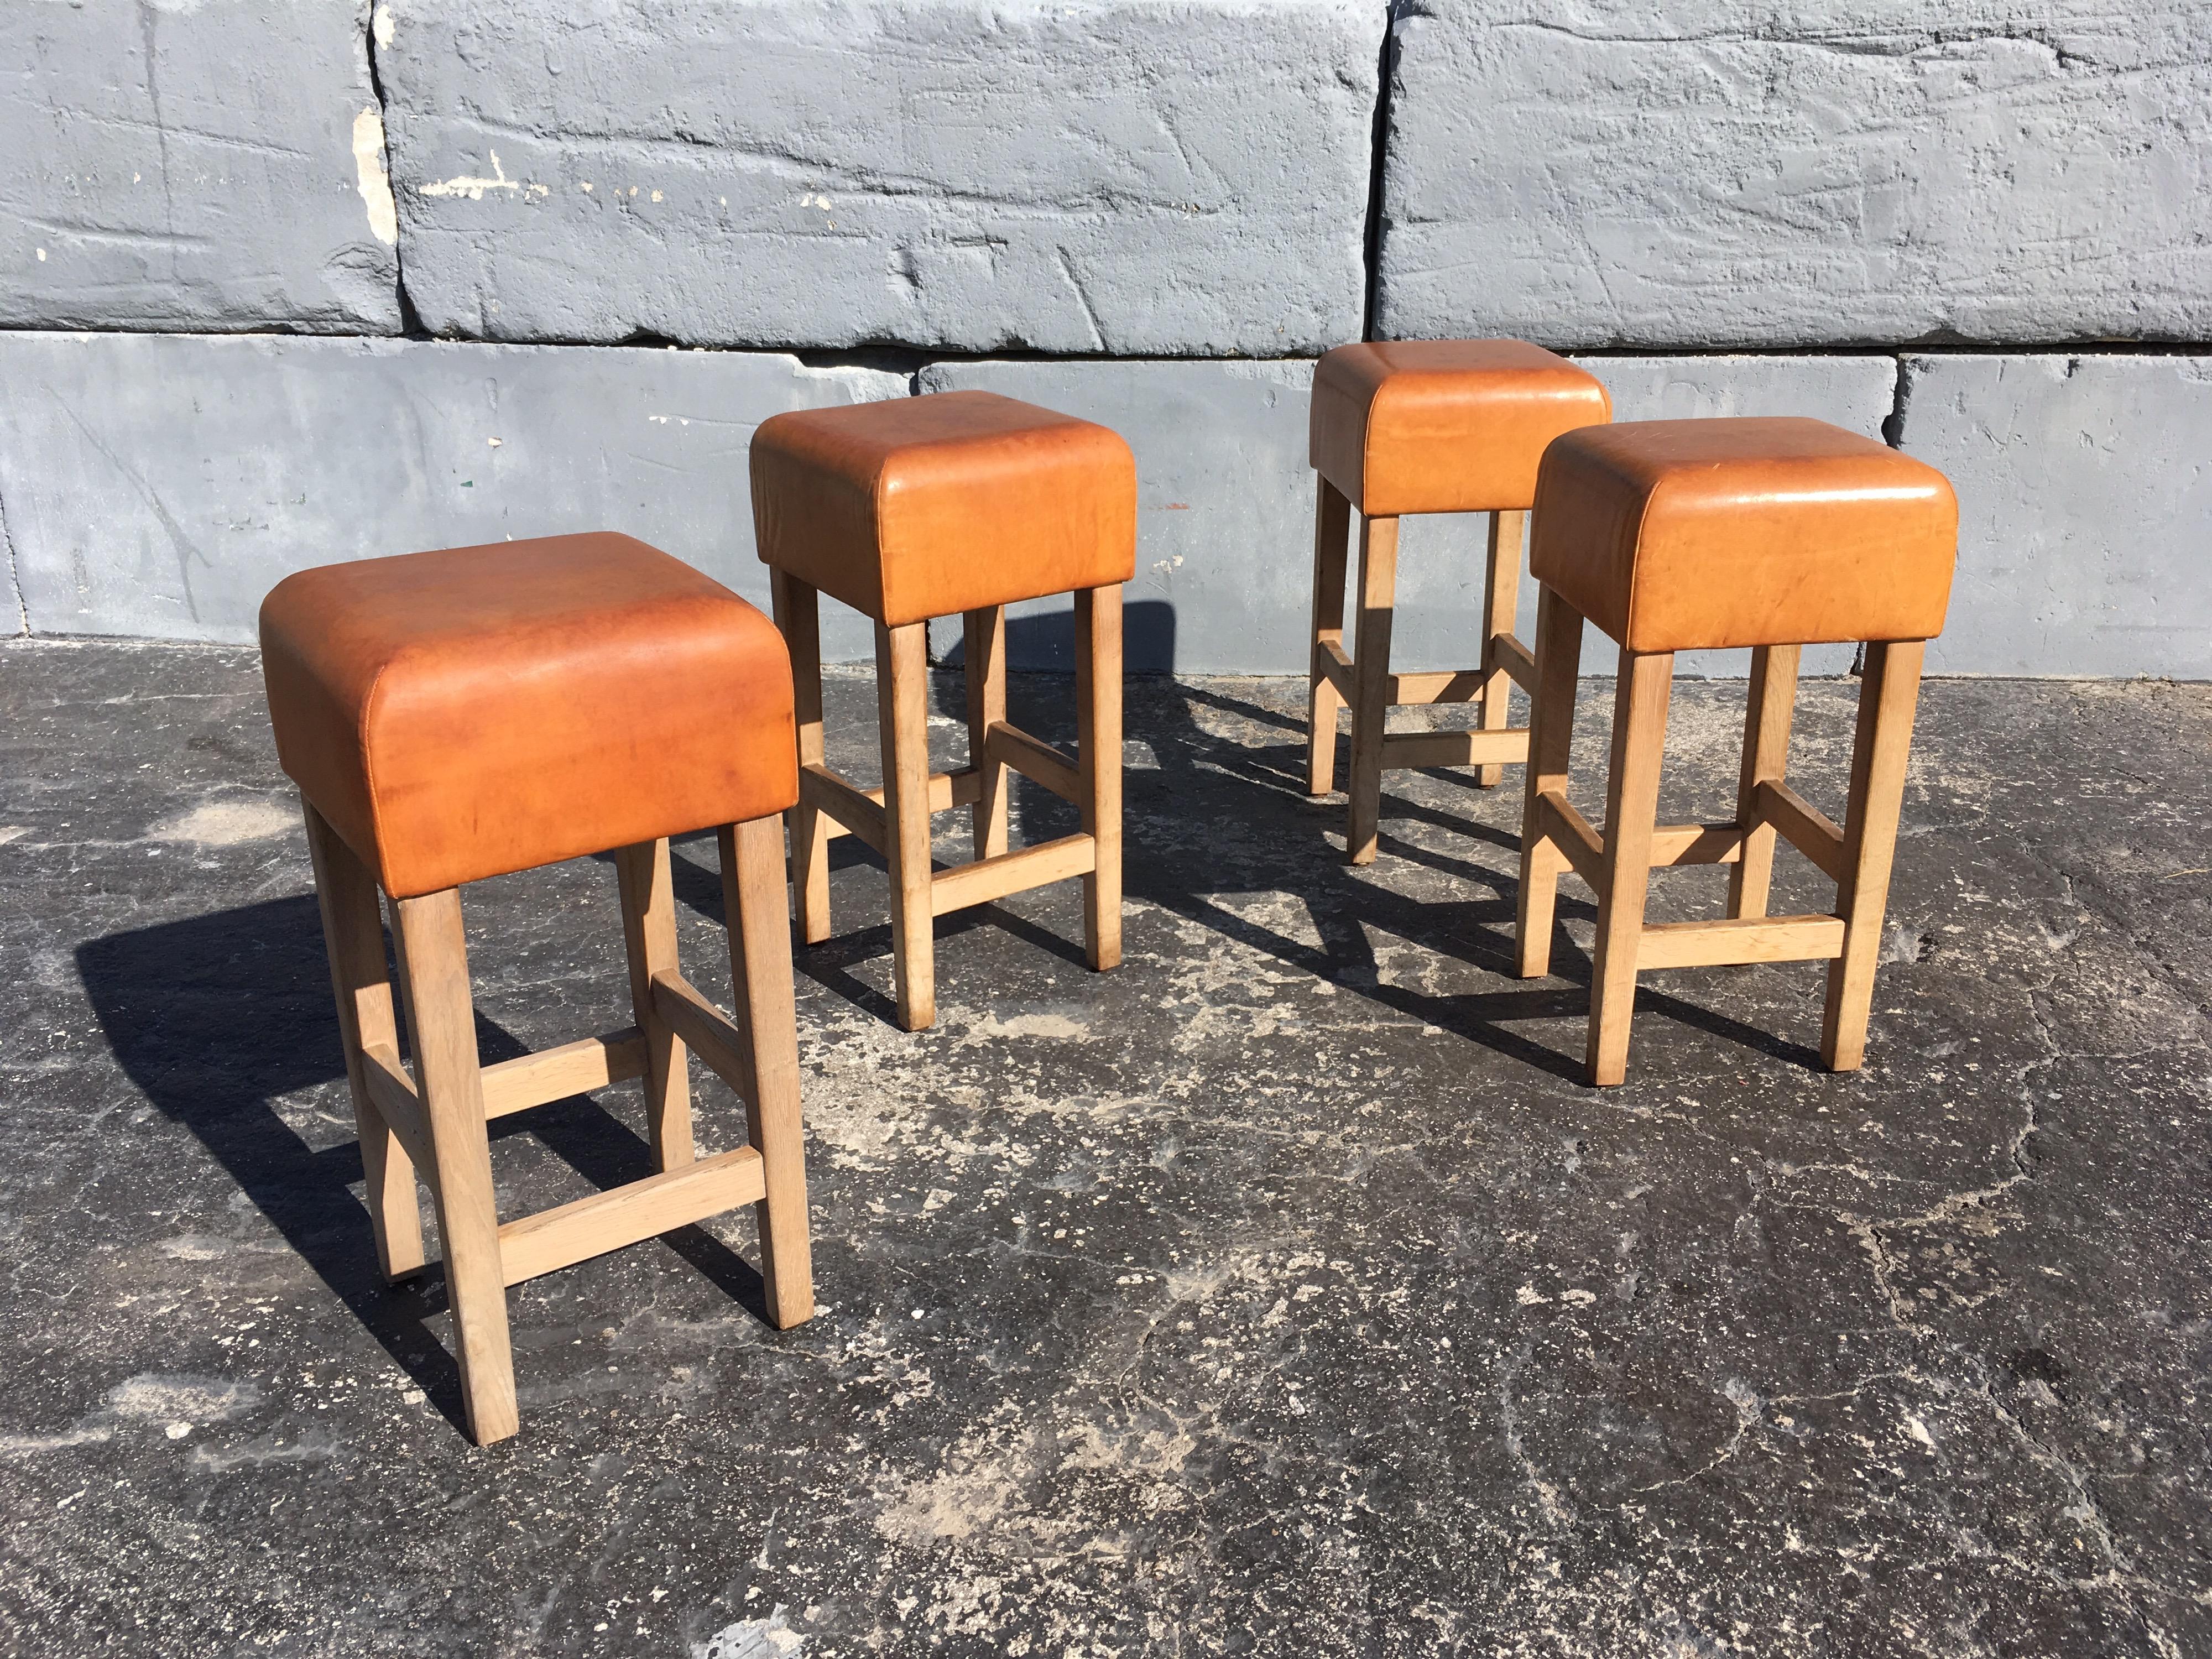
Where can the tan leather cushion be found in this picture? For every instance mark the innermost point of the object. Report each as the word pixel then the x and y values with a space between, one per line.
pixel 916 508
pixel 1444 426
pixel 459 714
pixel 1684 534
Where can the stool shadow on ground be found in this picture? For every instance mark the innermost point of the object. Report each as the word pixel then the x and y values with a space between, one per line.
pixel 1280 844
pixel 219 1017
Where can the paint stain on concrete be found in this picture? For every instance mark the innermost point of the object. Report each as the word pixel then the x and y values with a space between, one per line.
pixel 226 823
pixel 371 178
pixel 151 1397
pixel 771 1638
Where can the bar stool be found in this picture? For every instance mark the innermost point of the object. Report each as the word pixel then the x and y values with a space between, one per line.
pixel 915 507
pixel 456 715
pixel 1425 426
pixel 1693 535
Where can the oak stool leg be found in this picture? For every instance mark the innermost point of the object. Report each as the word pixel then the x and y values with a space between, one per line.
pixel 1888 693
pixel 1551 736
pixel 1370 711
pixel 1639 740
pixel 1332 526
pixel 1098 741
pixel 902 713
pixel 353 933
pixel 1501 599
pixel 648 912
pixel 1765 760
pixel 798 614
pixel 760 982
pixel 433 977
pixel 984 637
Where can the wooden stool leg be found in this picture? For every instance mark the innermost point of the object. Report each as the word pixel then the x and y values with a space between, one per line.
pixel 1551 736
pixel 760 984
pixel 353 935
pixel 984 634
pixel 902 713
pixel 648 912
pixel 1639 740
pixel 1501 599
pixel 1378 587
pixel 798 613
pixel 433 977
pixel 1098 739
pixel 1766 758
pixel 1332 525
pixel 1888 696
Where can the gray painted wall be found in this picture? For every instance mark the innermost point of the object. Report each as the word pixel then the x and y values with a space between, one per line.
pixel 217 165
pixel 1137 177
pixel 1151 212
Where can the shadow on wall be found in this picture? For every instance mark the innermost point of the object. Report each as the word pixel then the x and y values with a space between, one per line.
pixel 1044 641
pixel 220 1017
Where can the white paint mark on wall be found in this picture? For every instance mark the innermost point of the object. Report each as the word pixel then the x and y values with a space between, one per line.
pixel 13 832
pixel 379 25
pixel 753 1638
pixel 473 188
pixel 371 178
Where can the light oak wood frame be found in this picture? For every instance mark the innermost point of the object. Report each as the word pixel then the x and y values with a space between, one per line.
pixel 1556 838
pixel 429 1120
pixel 895 819
pixel 1364 683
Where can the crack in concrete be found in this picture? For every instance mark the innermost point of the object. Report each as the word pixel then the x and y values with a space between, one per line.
pixel 15 575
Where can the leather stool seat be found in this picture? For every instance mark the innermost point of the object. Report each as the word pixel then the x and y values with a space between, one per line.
pixel 1404 426
pixel 455 715
pixel 1687 535
pixel 464 713
pixel 916 508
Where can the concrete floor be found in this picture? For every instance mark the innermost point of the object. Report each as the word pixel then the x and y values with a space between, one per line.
pixel 1282 1292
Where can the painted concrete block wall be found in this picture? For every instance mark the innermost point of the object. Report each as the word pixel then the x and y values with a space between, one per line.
pixel 215 164
pixel 1157 177
pixel 2085 495
pixel 1787 174
pixel 1154 212
pixel 160 485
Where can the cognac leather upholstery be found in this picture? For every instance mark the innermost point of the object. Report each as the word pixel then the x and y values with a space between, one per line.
pixel 1689 535
pixel 1443 426
pixel 461 714
pixel 916 508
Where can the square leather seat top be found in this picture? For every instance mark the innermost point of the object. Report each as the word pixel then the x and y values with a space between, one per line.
pixel 460 714
pixel 1444 426
pixel 1690 535
pixel 916 508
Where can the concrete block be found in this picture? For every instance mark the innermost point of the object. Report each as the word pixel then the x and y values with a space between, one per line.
pixel 1164 177
pixel 1790 174
pixel 194 164
pixel 2085 509
pixel 159 485
pixel 1224 508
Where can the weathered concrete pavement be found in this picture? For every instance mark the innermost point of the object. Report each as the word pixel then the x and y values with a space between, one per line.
pixel 1280 1292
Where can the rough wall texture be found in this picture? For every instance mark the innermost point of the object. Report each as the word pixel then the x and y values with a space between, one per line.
pixel 1137 176
pixel 1113 206
pixel 2084 495
pixel 194 164
pixel 159 485
pixel 1792 173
